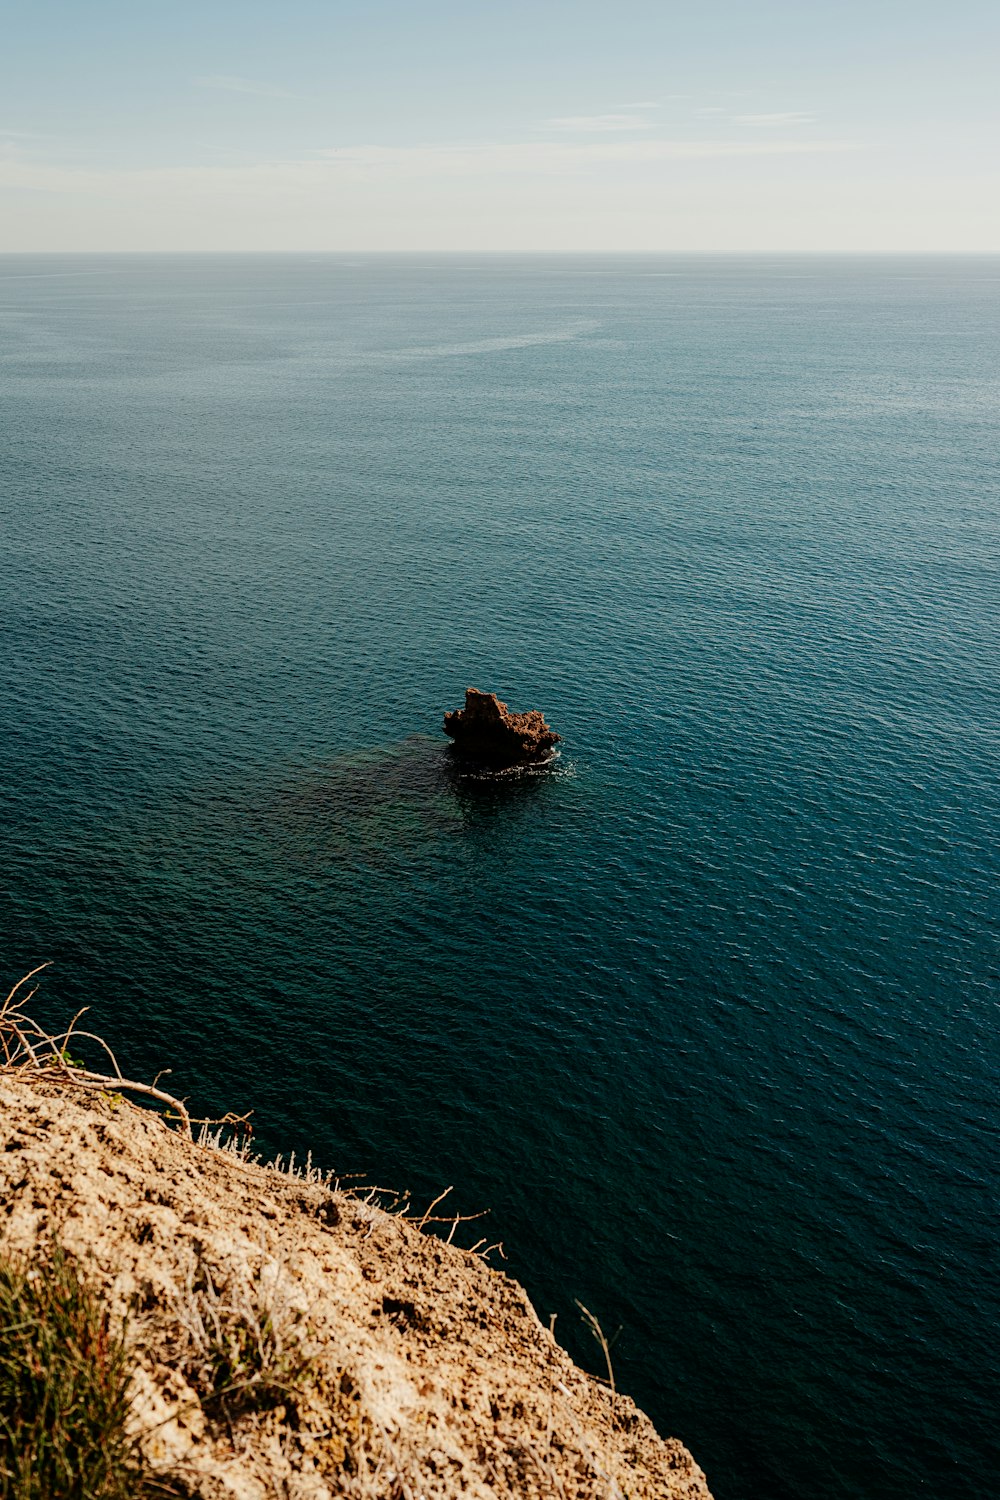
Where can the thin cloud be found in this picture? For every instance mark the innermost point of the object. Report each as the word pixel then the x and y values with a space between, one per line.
pixel 230 84
pixel 18 144
pixel 787 117
pixel 303 178
pixel 601 123
pixel 553 158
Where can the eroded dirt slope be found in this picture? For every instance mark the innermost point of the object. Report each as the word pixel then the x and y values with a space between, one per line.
pixel 295 1341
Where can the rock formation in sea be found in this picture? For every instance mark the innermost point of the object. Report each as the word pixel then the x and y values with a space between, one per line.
pixel 485 731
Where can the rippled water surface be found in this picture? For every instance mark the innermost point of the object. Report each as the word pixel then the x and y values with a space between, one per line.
pixel 707 1016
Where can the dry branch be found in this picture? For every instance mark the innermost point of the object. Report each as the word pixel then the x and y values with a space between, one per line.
pixel 32 1052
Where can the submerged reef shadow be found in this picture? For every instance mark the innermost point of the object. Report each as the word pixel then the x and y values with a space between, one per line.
pixel 365 804
pixel 376 805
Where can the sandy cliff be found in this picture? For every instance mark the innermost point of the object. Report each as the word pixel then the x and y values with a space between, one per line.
pixel 362 1356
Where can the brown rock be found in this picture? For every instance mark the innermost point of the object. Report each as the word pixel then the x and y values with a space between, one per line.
pixel 486 731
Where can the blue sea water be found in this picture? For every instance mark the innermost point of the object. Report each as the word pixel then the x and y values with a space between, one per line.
pixel 706 1017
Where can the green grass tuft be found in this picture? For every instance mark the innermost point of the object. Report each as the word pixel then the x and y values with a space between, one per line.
pixel 64 1389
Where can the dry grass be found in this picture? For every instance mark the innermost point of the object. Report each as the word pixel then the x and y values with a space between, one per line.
pixel 593 1327
pixel 240 1337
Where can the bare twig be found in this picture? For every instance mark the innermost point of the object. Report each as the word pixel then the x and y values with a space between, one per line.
pixel 440 1197
pixel 452 1219
pixel 113 1059
pixel 30 1051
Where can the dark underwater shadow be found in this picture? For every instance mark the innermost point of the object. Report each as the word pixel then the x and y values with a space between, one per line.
pixel 363 805
pixel 373 805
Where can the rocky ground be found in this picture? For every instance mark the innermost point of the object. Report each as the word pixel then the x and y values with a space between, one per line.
pixel 295 1340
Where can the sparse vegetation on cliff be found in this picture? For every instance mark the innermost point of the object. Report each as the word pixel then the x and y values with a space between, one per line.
pixel 65 1372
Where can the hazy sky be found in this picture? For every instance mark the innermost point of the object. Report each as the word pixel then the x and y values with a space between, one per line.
pixel 720 125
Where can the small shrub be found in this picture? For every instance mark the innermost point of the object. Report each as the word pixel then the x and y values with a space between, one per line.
pixel 64 1389
pixel 240 1343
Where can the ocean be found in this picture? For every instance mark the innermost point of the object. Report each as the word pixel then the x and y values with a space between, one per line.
pixel 705 1016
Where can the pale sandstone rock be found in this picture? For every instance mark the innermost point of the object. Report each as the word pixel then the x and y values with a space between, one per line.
pixel 430 1375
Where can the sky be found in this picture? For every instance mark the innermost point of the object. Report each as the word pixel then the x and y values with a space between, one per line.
pixel 721 126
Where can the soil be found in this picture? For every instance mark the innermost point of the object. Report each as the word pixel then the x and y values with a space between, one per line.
pixel 377 1359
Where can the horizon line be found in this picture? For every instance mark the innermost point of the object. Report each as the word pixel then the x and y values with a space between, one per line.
pixel 511 254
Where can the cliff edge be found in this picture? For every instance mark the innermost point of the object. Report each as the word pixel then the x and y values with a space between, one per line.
pixel 293 1339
